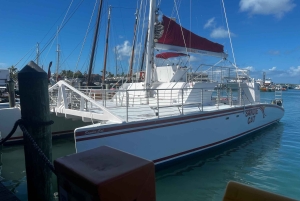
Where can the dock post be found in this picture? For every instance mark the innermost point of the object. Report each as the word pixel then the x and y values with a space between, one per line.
pixel 34 99
pixel 105 173
pixel 11 93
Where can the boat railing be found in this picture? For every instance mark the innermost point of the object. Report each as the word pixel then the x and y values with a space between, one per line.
pixel 135 104
pixel 214 73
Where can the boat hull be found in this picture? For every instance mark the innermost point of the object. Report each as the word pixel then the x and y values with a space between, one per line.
pixel 166 139
pixel 61 127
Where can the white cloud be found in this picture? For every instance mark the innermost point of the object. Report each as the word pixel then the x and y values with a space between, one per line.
pixel 272 69
pixel 220 32
pixel 267 7
pixel 124 50
pixel 193 58
pixel 294 71
pixel 3 65
pixel 274 52
pixel 210 23
pixel 250 68
pixel 120 36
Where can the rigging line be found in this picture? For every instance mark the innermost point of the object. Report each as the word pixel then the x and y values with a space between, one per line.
pixel 50 29
pixel 87 31
pixel 231 46
pixel 142 34
pixel 28 57
pixel 180 26
pixel 137 56
pixel 229 34
pixel 168 25
pixel 53 37
pixel 56 36
pixel 190 30
pixel 173 10
pixel 24 56
pixel 158 4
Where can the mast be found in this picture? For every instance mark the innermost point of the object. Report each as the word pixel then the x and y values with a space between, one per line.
pixel 57 63
pixel 37 53
pixel 106 47
pixel 116 61
pixel 149 58
pixel 94 44
pixel 58 55
pixel 133 45
pixel 144 51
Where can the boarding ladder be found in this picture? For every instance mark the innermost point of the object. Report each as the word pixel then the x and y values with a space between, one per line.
pixel 67 101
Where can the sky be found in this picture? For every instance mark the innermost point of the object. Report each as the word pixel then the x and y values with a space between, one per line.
pixel 264 33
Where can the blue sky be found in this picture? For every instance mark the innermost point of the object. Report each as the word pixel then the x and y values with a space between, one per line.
pixel 265 33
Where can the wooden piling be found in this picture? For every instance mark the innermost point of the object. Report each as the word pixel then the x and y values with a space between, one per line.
pixel 11 93
pixel 34 100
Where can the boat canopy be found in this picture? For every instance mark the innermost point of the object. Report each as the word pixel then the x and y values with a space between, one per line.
pixel 167 55
pixel 177 38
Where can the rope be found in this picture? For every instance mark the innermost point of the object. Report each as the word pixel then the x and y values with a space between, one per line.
pixel 180 26
pixel 38 149
pixel 238 79
pixel 11 132
pixel 87 31
pixel 21 123
pixel 229 34
pixel 142 36
pixel 61 25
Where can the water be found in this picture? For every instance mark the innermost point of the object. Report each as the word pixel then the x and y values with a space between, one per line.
pixel 269 159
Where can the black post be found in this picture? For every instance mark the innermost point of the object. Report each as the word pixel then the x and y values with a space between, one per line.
pixel 11 93
pixel 34 99
pixel 94 44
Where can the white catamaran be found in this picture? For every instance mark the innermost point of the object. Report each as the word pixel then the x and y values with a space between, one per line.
pixel 169 116
pixel 171 113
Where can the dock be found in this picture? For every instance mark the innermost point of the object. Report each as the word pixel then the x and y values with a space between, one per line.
pixel 6 195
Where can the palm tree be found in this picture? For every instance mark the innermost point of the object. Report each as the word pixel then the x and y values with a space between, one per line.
pixel 13 73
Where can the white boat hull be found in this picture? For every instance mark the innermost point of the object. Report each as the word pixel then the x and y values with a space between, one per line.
pixel 61 126
pixel 165 139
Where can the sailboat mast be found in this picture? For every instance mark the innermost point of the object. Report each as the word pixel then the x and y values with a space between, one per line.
pixel 37 53
pixel 116 61
pixel 106 47
pixel 150 54
pixel 94 44
pixel 57 62
pixel 144 51
pixel 133 45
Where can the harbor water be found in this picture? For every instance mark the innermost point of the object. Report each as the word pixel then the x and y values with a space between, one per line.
pixel 268 159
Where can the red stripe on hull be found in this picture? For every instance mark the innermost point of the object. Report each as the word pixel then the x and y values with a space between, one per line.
pixel 153 127
pixel 171 122
pixel 155 121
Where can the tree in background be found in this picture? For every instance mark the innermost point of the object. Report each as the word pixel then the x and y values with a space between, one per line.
pixel 13 73
pixel 78 74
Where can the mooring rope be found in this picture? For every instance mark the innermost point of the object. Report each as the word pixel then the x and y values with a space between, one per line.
pixel 21 123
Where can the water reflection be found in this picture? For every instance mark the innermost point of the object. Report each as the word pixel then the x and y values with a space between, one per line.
pixel 12 165
pixel 204 177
